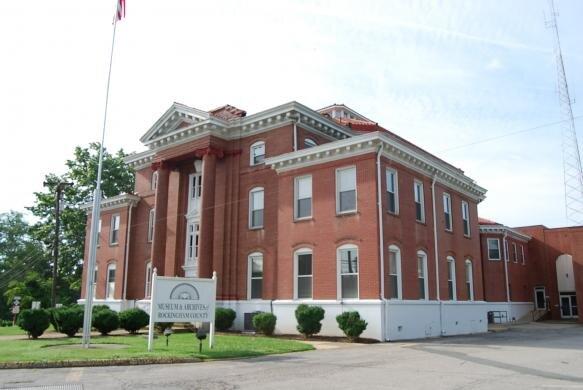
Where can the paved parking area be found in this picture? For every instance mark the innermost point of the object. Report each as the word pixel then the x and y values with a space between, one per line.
pixel 533 356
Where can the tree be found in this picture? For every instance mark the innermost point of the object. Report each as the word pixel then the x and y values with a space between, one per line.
pixel 82 173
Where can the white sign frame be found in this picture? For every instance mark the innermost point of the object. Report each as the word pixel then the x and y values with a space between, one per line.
pixel 154 297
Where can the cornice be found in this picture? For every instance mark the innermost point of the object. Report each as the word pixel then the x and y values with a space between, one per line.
pixel 392 149
pixel 501 229
pixel 112 203
pixel 140 160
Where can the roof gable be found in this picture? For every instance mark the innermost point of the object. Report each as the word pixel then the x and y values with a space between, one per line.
pixel 176 117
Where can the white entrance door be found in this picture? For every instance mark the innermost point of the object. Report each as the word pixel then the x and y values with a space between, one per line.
pixel 569 306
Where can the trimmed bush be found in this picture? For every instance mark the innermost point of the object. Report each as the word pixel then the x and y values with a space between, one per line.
pixel 309 319
pixel 351 324
pixel 264 323
pixel 96 308
pixel 105 321
pixel 162 326
pixel 133 320
pixel 224 318
pixel 34 322
pixel 67 320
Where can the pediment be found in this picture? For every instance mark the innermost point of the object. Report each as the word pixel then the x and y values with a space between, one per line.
pixel 176 117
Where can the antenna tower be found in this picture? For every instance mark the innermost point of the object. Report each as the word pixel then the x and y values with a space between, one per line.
pixel 572 171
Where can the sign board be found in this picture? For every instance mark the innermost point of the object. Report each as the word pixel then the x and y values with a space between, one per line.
pixel 35 305
pixel 182 300
pixel 15 309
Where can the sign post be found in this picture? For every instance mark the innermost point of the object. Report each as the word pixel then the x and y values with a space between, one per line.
pixel 182 300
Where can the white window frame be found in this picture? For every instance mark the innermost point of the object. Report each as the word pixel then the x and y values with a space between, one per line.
pixel 447 212
pixel 99 233
pixel 151 221
pixel 252 148
pixel 466 218
pixel 339 273
pixel 309 143
pixel 297 254
pixel 251 209
pixel 388 173
pixel 418 188
pixel 194 192
pixel 250 276
pixel 195 235
pixel 469 263
pixel 397 251
pixel 352 211
pixel 488 240
pixel 451 278
pixel 154 181
pixel 297 199
pixel 423 255
pixel 112 228
pixel 148 283
pixel 522 254
pixel 109 291
pixel 506 251
pixel 95 275
pixel 514 253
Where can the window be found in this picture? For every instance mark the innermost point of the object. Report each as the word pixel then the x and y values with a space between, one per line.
pixel 95 273
pixel 154 181
pixel 99 233
pixel 348 264
pixel 392 191
pixel 451 287
pixel 514 253
pixel 114 236
pixel 110 283
pixel 493 249
pixel 469 280
pixel 395 289
pixel 194 192
pixel 422 275
pixel 522 258
pixel 419 201
pixel 447 212
pixel 255 276
pixel 148 286
pixel 151 225
pixel 466 218
pixel 257 153
pixel 309 143
pixel 506 255
pixel 303 273
pixel 256 208
pixel 192 242
pixel 303 197
pixel 346 190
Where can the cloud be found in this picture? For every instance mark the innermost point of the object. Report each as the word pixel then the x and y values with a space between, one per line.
pixel 494 64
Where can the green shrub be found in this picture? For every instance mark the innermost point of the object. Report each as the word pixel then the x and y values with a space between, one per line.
pixel 264 323
pixel 309 319
pixel 224 318
pixel 133 320
pixel 105 321
pixel 67 320
pixel 162 326
pixel 351 324
pixel 5 323
pixel 96 308
pixel 34 322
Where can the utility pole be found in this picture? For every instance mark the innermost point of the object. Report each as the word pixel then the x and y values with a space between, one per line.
pixel 59 191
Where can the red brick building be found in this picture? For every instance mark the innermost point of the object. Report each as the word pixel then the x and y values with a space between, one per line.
pixel 294 205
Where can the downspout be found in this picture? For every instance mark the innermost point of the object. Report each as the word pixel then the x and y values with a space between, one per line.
pixel 436 255
pixel 381 243
pixel 295 135
pixel 127 251
pixel 504 245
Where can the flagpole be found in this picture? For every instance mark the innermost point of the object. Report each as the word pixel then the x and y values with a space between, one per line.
pixel 96 212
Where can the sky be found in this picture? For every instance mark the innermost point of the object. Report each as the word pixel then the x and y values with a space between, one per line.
pixel 473 82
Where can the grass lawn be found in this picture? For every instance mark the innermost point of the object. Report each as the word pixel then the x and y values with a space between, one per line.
pixel 182 345
pixel 16 331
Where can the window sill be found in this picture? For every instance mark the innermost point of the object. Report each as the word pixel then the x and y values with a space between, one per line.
pixel 467 236
pixel 396 214
pixel 424 223
pixel 114 244
pixel 494 259
pixel 303 219
pixel 347 213
pixel 256 228
pixel 449 231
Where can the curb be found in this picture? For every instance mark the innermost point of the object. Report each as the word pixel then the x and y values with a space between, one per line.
pixel 97 363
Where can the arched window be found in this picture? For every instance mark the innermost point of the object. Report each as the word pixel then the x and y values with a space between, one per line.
pixel 470 279
pixel 110 282
pixel 347 257
pixel 451 285
pixel 303 274
pixel 257 153
pixel 309 143
pixel 422 275
pixel 148 286
pixel 395 287
pixel 154 181
pixel 255 276
pixel 256 199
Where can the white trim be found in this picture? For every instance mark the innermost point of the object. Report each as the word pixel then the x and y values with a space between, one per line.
pixel 447 203
pixel 310 141
pixel 339 273
pixel 501 229
pixel 151 224
pixel 488 249
pixel 115 202
pixel 257 145
pixel 395 190
pixel 154 181
pixel 297 253
pixel 422 254
pixel 522 254
pixel 466 214
pixel 109 291
pixel 419 184
pixel 451 270
pixel 251 209
pixel 114 217
pixel 397 251
pixel 250 274
pixel 337 171
pixel 471 281
pixel 296 197
pixel 148 285
pixel 514 253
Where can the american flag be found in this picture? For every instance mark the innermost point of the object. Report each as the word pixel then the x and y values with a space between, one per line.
pixel 121 9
